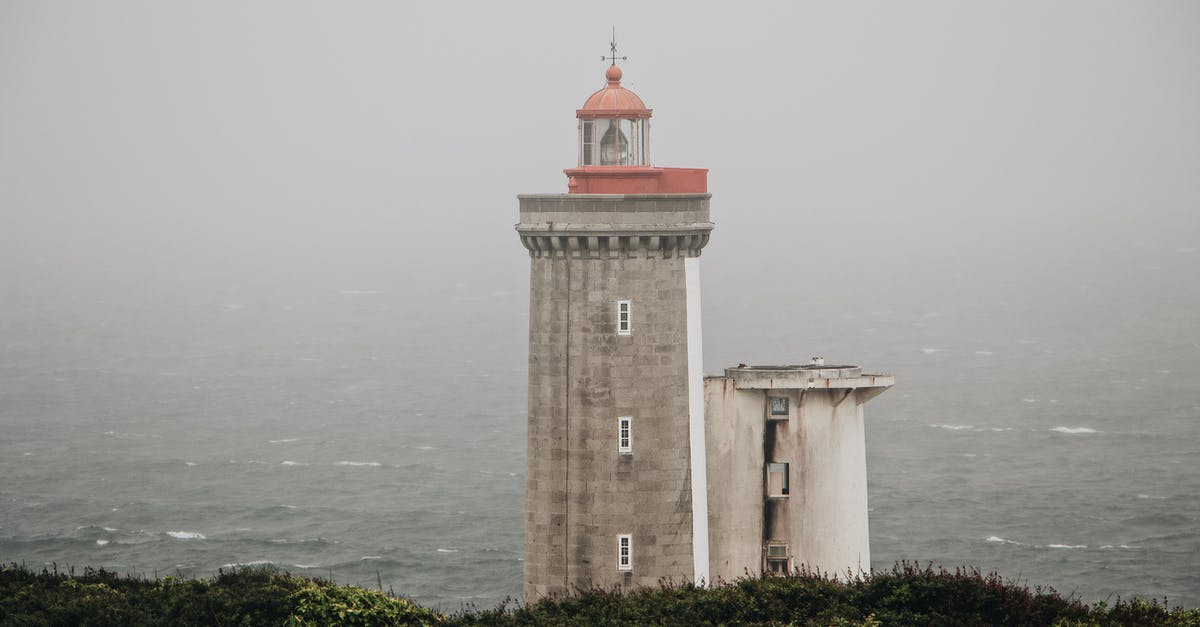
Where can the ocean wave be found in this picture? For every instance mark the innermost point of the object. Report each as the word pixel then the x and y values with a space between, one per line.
pixel 101 542
pixel 984 353
pixel 1118 546
pixel 1066 546
pixel 358 292
pixel 999 540
pixel 250 564
pixel 288 462
pixel 447 550
pixel 370 557
pixel 424 448
pixel 1073 430
pixel 953 427
pixel 300 541
pixel 282 441
pixel 189 463
pixel 306 565
pixel 929 351
pixel 373 464
pixel 1151 496
pixel 186 535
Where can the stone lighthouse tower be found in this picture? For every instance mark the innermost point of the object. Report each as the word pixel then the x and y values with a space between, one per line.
pixel 616 491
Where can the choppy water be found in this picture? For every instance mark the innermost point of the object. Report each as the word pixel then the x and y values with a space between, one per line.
pixel 376 433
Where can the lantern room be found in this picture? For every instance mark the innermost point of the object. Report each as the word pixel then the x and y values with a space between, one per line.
pixel 614 126
pixel 614 148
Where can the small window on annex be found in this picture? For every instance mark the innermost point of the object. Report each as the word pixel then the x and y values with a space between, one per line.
pixel 777 407
pixel 623 318
pixel 625 552
pixel 777 479
pixel 777 560
pixel 625 434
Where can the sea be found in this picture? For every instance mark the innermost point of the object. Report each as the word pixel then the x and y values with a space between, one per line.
pixel 1045 423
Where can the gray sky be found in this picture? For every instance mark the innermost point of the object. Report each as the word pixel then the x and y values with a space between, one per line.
pixel 336 142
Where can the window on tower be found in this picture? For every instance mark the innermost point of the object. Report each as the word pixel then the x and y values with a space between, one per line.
pixel 625 552
pixel 625 434
pixel 623 318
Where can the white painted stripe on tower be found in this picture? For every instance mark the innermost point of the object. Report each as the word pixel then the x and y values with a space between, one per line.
pixel 699 469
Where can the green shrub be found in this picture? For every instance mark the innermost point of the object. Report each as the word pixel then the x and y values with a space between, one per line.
pixel 905 595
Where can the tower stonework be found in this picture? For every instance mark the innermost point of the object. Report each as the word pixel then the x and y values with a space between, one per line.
pixel 639 468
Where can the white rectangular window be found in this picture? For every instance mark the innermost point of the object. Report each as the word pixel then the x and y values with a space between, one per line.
pixel 625 434
pixel 623 315
pixel 777 479
pixel 625 552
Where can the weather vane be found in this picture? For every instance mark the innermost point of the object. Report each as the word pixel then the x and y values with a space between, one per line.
pixel 612 46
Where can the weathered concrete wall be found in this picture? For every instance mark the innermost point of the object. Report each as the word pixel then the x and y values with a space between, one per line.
pixel 581 492
pixel 735 480
pixel 829 501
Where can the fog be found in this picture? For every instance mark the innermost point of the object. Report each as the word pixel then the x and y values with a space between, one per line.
pixel 991 170
pixel 144 143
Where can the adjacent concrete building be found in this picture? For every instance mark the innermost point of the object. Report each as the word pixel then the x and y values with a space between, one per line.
pixel 638 467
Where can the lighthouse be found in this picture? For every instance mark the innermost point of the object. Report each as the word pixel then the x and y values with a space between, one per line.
pixel 639 468
pixel 615 489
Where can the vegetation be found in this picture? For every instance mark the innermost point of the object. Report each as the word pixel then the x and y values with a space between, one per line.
pixel 245 596
pixel 906 595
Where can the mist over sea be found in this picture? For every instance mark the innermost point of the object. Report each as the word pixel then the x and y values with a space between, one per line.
pixel 373 430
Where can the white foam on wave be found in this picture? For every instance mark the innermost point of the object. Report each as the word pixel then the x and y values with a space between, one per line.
pixel 245 564
pixel 288 462
pixel 102 542
pixel 186 535
pixel 424 448
pixel 189 464
pixel 929 351
pixel 447 550
pixel 1066 546
pixel 1029 400
pixel 953 427
pixel 1000 540
pixel 1118 546
pixel 255 461
pixel 1073 430
pixel 109 529
pixel 306 565
pixel 372 464
pixel 282 441
pixel 984 353
pixel 1151 496
pixel 370 557
pixel 288 506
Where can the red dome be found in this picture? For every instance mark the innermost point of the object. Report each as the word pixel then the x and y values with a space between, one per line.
pixel 613 101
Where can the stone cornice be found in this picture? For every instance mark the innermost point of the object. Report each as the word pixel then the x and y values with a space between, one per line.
pixel 578 243
pixel 611 226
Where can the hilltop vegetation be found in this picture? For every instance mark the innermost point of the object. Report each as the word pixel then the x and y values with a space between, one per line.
pixel 906 595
